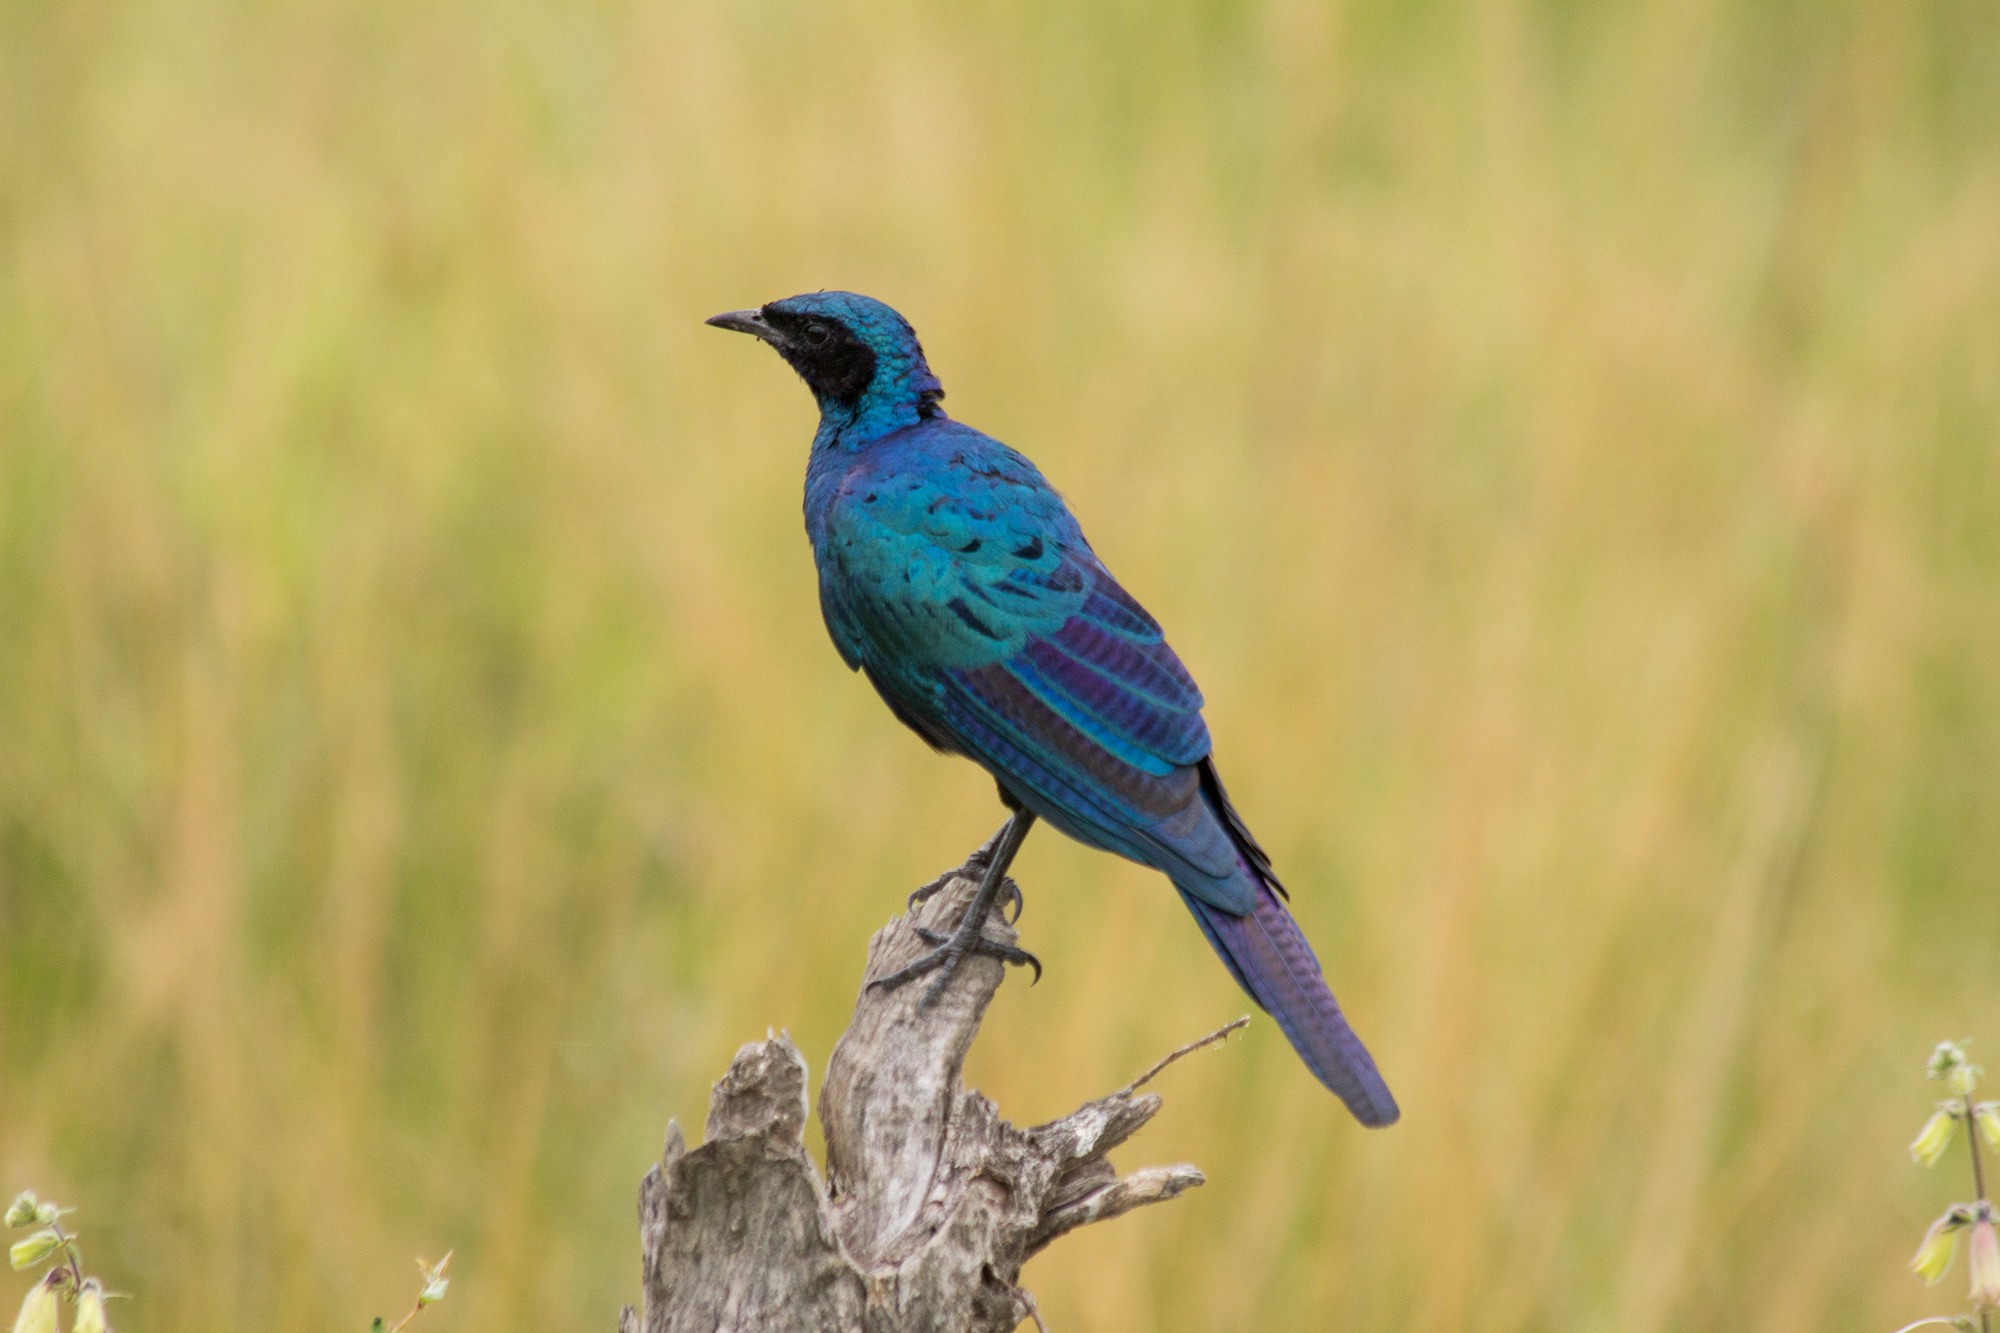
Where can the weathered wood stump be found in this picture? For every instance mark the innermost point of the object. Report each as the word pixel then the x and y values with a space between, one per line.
pixel 932 1202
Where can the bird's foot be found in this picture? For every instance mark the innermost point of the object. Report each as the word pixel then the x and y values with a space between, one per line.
pixel 1006 953
pixel 951 950
pixel 1010 892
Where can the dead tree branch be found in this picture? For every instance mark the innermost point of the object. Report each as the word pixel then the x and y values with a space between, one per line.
pixel 932 1202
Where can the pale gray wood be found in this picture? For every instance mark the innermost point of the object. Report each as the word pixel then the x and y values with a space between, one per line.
pixel 932 1202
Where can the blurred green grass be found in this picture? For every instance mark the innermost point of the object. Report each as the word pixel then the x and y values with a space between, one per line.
pixel 1561 437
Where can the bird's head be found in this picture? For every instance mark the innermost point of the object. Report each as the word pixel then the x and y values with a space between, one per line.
pixel 859 357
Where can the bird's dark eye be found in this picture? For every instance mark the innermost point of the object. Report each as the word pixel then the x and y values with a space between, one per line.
pixel 816 334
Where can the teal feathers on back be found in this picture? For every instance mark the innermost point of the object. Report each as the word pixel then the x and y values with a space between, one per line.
pixel 953 576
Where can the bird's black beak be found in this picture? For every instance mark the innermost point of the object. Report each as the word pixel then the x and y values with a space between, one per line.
pixel 751 322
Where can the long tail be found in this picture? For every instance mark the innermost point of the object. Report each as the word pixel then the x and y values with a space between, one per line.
pixel 1272 961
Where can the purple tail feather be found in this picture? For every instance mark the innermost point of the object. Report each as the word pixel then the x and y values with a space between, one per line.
pixel 1272 961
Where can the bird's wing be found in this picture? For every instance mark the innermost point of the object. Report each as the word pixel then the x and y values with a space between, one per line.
pixel 967 593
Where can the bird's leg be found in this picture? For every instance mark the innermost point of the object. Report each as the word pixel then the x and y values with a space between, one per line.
pixel 975 864
pixel 1010 892
pixel 970 937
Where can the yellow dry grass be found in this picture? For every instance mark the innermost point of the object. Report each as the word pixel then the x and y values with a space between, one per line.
pixel 1563 438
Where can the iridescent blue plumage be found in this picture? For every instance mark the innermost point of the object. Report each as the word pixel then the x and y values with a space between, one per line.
pixel 953 576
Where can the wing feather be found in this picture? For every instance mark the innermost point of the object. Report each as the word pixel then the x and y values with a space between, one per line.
pixel 991 628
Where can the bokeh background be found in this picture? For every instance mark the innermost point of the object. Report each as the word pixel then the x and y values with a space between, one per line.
pixel 1564 438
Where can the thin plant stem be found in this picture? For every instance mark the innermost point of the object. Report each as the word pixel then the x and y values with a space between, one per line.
pixel 1972 1140
pixel 69 1253
pixel 1978 1184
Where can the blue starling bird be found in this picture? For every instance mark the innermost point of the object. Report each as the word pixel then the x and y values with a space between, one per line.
pixel 953 576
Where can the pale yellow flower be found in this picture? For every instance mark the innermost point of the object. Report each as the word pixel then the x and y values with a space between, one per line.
pixel 1934 1138
pixel 90 1309
pixel 38 1311
pixel 1939 1245
pixel 1987 1116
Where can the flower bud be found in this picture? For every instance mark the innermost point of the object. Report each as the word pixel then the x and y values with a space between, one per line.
pixel 1985 1259
pixel 90 1309
pixel 38 1310
pixel 1945 1057
pixel 1940 1243
pixel 435 1282
pixel 21 1212
pixel 34 1249
pixel 1963 1079
pixel 1935 1137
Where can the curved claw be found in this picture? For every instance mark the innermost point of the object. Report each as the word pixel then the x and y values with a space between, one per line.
pixel 1010 897
pixel 928 891
pixel 975 865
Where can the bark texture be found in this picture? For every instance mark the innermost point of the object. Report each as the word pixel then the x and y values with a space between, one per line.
pixel 932 1202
